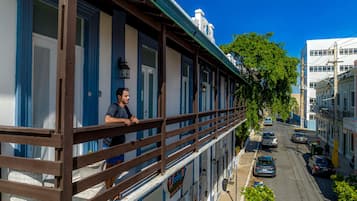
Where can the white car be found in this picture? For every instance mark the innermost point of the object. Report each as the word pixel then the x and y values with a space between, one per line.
pixel 268 121
pixel 269 139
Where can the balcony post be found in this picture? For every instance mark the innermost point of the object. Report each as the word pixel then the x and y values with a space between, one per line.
pixel 196 70
pixel 162 95
pixel 67 12
pixel 227 99
pixel 216 85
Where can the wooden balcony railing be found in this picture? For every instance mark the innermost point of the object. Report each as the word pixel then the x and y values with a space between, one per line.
pixel 158 150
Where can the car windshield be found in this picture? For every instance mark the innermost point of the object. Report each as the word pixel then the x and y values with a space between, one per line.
pixel 321 161
pixel 265 161
pixel 268 137
pixel 299 135
pixel 268 134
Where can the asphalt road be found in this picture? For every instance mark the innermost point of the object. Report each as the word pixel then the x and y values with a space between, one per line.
pixel 294 181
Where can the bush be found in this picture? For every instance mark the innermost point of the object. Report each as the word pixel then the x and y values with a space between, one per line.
pixel 345 188
pixel 261 193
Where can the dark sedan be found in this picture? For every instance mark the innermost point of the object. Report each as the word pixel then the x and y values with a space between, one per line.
pixel 264 166
pixel 321 165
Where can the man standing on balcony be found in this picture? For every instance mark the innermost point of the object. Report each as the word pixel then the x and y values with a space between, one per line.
pixel 118 113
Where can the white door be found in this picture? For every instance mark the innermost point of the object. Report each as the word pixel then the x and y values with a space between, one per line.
pixel 44 88
pixel 185 90
pixel 148 89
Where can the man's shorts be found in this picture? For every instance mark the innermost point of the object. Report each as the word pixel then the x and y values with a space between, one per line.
pixel 116 159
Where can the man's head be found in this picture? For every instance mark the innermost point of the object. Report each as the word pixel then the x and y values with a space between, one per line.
pixel 123 95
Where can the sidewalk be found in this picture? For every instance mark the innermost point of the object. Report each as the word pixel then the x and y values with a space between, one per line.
pixel 242 174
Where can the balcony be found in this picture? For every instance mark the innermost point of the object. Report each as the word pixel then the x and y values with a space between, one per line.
pixel 191 131
pixel 327 112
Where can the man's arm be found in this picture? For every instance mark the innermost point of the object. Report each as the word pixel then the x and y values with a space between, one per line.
pixel 110 119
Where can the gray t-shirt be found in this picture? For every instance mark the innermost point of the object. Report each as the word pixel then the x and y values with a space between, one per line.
pixel 116 111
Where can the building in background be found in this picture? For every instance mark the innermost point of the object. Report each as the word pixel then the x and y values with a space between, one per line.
pixel 318 63
pixel 344 119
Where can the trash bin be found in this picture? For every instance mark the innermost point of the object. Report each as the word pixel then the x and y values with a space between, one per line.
pixel 224 184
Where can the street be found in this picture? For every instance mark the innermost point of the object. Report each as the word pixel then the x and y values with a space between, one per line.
pixel 293 181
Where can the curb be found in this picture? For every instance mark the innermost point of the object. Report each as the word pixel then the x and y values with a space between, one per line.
pixel 251 165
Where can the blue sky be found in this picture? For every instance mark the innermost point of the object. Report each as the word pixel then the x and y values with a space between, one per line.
pixel 292 21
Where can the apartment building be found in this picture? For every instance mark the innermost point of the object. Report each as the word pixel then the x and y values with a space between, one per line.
pixel 342 143
pixel 317 58
pixel 62 62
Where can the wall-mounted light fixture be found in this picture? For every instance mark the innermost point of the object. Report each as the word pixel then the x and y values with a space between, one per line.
pixel 124 70
pixel 203 87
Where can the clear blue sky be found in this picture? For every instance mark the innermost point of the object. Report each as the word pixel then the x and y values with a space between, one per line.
pixel 292 21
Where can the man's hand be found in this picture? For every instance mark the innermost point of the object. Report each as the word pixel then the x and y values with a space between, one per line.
pixel 127 122
pixel 135 120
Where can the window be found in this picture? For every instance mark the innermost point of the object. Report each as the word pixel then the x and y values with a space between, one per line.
pixel 351 140
pixel 312 101
pixel 312 117
pixel 352 98
pixel 338 99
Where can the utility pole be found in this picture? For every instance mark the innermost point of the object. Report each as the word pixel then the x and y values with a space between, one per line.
pixel 302 93
pixel 335 92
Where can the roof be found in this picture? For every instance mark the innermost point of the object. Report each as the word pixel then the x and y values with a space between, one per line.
pixel 180 17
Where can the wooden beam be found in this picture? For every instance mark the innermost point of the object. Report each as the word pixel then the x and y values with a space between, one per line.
pixel 162 95
pixel 67 13
pixel 133 10
pixel 216 87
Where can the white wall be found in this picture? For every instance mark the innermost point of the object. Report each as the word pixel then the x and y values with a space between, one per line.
pixel 105 52
pixel 173 88
pixel 8 61
pixel 173 82
pixel 131 55
pixel 7 72
pixel 156 195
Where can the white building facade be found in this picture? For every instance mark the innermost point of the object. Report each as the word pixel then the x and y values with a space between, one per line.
pixel 318 57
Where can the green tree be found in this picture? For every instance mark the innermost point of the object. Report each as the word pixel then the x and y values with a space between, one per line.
pixel 262 193
pixel 242 133
pixel 270 73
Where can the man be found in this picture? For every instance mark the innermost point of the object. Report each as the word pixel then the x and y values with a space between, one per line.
pixel 118 113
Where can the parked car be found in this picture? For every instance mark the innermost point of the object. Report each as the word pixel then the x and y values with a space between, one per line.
pixel 299 138
pixel 321 165
pixel 268 121
pixel 269 139
pixel 264 166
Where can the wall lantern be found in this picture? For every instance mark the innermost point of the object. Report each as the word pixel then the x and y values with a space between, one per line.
pixel 124 70
pixel 203 86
